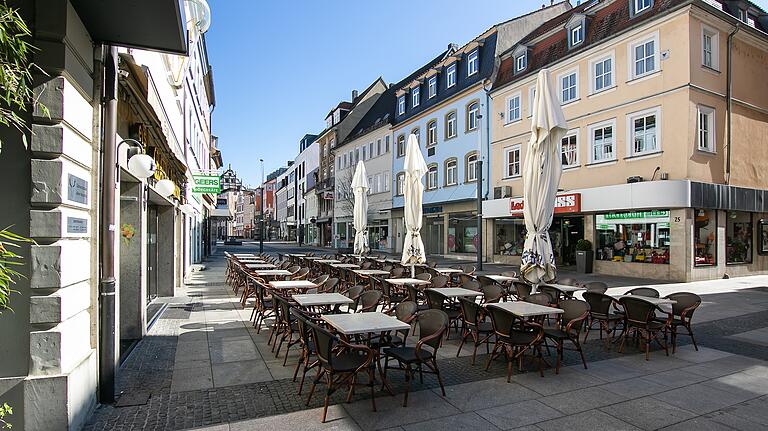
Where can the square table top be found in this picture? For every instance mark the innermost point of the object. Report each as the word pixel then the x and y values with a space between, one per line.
pixel 453 292
pixel 363 323
pixel 403 281
pixel 448 270
pixel 499 278
pixel 251 260
pixel 311 257
pixel 327 261
pixel 370 272
pixel 313 299
pixel 526 309
pixel 345 265
pixel 292 284
pixel 654 301
pixel 566 288
pixel 259 266
pixel 272 272
pixel 241 255
pixel 296 255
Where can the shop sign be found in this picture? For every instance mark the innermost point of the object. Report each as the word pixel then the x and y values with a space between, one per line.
pixel 206 183
pixel 77 190
pixel 564 204
pixel 432 210
pixel 608 221
pixel 328 196
pixel 638 214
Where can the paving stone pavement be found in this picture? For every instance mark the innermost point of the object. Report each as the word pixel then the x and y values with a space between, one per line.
pixel 170 381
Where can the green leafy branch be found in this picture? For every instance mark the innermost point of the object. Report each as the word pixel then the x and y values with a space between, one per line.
pixel 9 242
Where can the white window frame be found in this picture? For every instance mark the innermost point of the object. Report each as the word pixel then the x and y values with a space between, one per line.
pixel 470 116
pixel 448 124
pixel 399 183
pixel 385 181
pixel 571 133
pixel 711 144
pixel 471 167
pixel 507 151
pixel 631 131
pixel 521 65
pixel 531 95
pixel 450 76
pixel 591 130
pixel 473 62
pixel 415 96
pixel 432 137
pixel 642 7
pixel 567 74
pixel 510 110
pixel 714 36
pixel 448 169
pixel 401 105
pixel 593 72
pixel 432 176
pixel 432 86
pixel 398 147
pixel 654 37
pixel 577 31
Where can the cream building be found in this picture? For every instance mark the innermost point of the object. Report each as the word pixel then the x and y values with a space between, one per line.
pixel 667 109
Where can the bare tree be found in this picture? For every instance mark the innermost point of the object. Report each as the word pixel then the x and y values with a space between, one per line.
pixel 344 192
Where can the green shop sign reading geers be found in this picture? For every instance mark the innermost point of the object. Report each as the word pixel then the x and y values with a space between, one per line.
pixel 206 184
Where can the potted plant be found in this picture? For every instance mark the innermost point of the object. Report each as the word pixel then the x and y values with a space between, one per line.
pixel 584 256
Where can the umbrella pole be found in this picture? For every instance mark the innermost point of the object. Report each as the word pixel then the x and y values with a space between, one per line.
pixel 413 271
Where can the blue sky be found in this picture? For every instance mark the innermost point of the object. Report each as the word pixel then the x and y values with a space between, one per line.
pixel 280 66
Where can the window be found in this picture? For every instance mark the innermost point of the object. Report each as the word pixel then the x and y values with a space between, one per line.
pixel 738 237
pixel 641 5
pixel 400 184
pixel 415 96
pixel 644 130
pixel 450 76
pixel 601 137
pixel 370 150
pixel 450 125
pixel 417 133
pixel 451 172
pixel 432 86
pixel 473 110
pixel 338 162
pixel 513 108
pixel 743 16
pixel 706 128
pixel 351 158
pixel 401 146
pixel 577 35
pixel 378 147
pixel 531 96
pixel 710 44
pixel 432 133
pixel 704 237
pixel 637 236
pixel 357 155
pixel 471 167
pixel 386 144
pixel 644 58
pixel 365 155
pixel 568 90
pixel 401 105
pixel 432 177
pixel 472 63
pixel 603 74
pixel 569 150
pixel 512 157
pixel 521 62
pixel 385 181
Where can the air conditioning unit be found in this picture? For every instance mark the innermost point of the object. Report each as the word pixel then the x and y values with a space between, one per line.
pixel 635 179
pixel 497 192
pixel 430 151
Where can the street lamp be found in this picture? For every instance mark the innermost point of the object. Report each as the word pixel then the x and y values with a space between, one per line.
pixel 479 167
pixel 140 165
pixel 261 209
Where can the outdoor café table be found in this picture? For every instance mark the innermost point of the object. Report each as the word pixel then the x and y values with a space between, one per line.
pixel 345 265
pixel 654 301
pixel 242 255
pixel 366 323
pixel 404 281
pixel 293 284
pixel 296 255
pixel 327 261
pixel 272 273
pixel 448 271
pixel 369 272
pixel 569 290
pixel 321 299
pixel 500 278
pixel 526 309
pixel 251 260
pixel 455 292
pixel 259 266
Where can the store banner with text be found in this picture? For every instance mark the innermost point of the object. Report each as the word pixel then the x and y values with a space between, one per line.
pixel 206 183
pixel 564 204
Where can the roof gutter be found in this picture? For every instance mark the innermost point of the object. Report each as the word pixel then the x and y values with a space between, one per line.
pixel 729 101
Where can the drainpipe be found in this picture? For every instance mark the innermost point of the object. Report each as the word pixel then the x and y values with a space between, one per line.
pixel 729 102
pixel 107 282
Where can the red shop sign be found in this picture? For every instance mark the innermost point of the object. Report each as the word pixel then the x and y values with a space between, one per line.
pixel 564 204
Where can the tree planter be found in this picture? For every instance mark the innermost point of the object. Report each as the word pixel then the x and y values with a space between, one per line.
pixel 584 260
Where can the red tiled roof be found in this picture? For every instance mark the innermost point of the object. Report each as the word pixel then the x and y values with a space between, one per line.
pixel 603 24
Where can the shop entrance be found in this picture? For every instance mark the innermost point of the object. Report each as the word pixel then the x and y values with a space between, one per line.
pixel 564 233
pixel 433 238
pixel 152 224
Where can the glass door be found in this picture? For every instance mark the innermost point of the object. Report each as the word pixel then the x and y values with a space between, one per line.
pixel 152 221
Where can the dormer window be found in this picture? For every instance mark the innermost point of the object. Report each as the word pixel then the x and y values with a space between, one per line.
pixel 640 6
pixel 401 105
pixel 432 86
pixel 450 76
pixel 576 29
pixel 472 63
pixel 521 62
pixel 577 35
pixel 415 96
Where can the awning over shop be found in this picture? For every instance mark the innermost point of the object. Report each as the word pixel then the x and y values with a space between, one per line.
pixel 220 213
pixel 157 25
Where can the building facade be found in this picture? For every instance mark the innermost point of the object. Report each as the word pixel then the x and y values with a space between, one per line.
pixel 665 107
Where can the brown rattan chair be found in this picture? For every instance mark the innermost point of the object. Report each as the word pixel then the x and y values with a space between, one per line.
pixel 437 301
pixel 474 325
pixel 424 276
pixel 514 336
pixel 369 301
pixel 644 291
pixel 568 328
pixel 602 311
pixel 354 293
pixel 596 286
pixel 682 313
pixel 432 325
pixel 639 319
pixel 568 282
pixel 492 293
pixel 308 350
pixel 522 289
pixel 397 272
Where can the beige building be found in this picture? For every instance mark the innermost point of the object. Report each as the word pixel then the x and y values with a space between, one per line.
pixel 667 109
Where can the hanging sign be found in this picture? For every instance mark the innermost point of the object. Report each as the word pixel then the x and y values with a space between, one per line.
pixel 206 184
pixel 564 204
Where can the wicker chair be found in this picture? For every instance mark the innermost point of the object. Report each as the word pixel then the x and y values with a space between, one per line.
pixel 568 328
pixel 602 311
pixel 522 289
pixel 369 301
pixel 474 325
pixel 640 319
pixel 514 337
pixel 682 313
pixel 438 301
pixel 596 286
pixel 644 291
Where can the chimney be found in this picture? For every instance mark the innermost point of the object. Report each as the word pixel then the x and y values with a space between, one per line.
pixel 354 95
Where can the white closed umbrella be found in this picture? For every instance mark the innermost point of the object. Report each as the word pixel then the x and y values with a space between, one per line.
pixel 541 178
pixel 415 167
pixel 360 210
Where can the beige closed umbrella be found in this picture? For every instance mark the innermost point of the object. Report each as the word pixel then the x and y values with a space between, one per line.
pixel 415 168
pixel 541 177
pixel 360 209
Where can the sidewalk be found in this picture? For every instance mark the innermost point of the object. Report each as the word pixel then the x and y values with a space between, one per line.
pixel 203 365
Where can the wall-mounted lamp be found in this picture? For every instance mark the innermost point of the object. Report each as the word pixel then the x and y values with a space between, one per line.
pixel 165 187
pixel 140 165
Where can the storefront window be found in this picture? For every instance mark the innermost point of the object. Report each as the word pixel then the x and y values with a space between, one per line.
pixel 638 236
pixel 705 237
pixel 377 236
pixel 738 234
pixel 462 233
pixel 341 234
pixel 510 237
